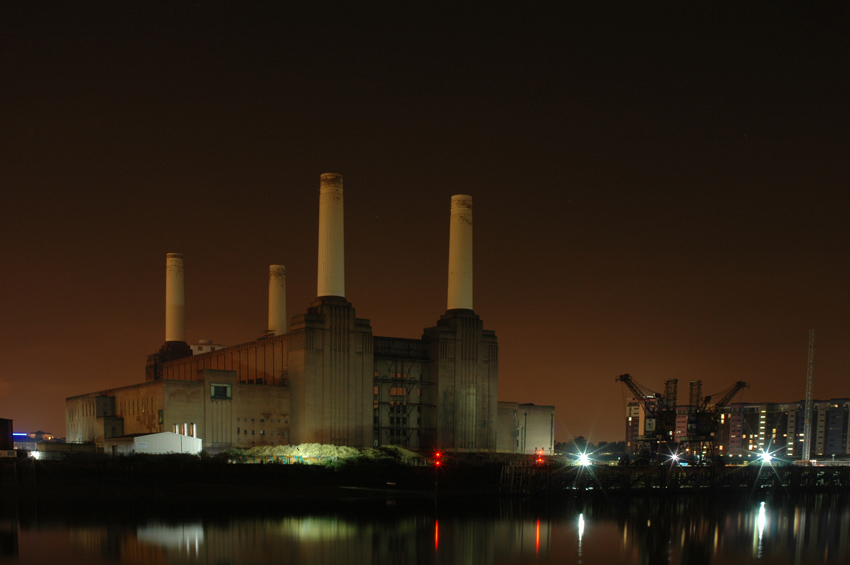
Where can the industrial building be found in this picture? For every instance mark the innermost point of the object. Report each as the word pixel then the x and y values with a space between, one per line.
pixel 746 430
pixel 323 377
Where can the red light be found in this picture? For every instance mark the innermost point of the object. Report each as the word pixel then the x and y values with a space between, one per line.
pixel 537 541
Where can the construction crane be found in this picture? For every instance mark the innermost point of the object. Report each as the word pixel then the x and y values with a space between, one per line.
pixel 660 416
pixel 704 418
pixel 807 416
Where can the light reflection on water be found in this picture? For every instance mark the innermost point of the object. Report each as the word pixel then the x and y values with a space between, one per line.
pixel 641 530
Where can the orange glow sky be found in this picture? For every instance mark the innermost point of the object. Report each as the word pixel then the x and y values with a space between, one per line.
pixel 657 193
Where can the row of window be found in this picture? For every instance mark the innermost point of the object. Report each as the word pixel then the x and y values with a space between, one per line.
pixel 240 431
pixel 392 375
pixel 262 420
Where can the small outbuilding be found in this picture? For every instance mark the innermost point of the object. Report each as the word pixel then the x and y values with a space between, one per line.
pixel 158 443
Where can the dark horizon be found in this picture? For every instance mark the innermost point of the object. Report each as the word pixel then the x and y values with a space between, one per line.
pixel 657 192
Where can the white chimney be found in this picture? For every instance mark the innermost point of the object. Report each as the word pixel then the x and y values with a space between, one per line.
pixel 460 253
pixel 331 280
pixel 174 304
pixel 277 299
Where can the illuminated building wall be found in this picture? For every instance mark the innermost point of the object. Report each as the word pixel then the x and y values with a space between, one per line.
pixel 226 413
pixel 465 370
pixel 330 374
pixel 830 422
pixel 633 425
pixel 526 428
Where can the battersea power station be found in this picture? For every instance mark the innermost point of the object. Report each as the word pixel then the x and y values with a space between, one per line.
pixel 323 377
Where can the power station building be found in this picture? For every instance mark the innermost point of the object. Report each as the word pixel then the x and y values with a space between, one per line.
pixel 324 377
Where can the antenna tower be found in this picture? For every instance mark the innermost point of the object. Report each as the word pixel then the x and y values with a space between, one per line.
pixel 807 422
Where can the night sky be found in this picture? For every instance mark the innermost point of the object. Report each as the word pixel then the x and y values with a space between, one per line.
pixel 658 190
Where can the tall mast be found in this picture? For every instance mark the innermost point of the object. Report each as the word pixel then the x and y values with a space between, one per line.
pixel 807 422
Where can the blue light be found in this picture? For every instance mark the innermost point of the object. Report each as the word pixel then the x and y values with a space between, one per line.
pixel 20 434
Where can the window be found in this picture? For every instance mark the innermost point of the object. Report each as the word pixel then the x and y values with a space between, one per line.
pixel 160 417
pixel 220 391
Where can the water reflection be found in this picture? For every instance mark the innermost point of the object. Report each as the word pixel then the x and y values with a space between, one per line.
pixel 647 530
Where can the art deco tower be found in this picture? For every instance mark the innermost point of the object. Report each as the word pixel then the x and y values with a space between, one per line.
pixel 464 356
pixel 330 350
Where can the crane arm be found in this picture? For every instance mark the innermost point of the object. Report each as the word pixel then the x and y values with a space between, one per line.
pixel 730 394
pixel 648 404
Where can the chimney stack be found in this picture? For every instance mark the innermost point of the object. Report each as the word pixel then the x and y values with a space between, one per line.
pixel 331 280
pixel 174 303
pixel 277 299
pixel 460 254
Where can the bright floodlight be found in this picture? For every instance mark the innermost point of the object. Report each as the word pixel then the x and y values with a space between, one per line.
pixel 766 457
pixel 674 457
pixel 583 459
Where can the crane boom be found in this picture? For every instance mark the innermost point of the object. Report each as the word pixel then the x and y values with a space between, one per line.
pixel 724 400
pixel 645 400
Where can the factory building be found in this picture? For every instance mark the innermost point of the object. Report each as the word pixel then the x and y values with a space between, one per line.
pixel 323 377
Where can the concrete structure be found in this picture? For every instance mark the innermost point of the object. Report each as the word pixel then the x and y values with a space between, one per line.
pixel 460 254
pixel 175 304
pixel 277 300
pixel 204 346
pixel 331 279
pixel 158 443
pixel 526 428
pixel 224 412
pixel 324 377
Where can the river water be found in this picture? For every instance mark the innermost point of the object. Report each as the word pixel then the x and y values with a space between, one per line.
pixel 693 530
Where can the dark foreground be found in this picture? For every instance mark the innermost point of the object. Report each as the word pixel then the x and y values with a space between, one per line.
pixel 176 480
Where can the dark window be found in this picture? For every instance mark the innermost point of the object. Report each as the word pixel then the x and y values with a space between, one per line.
pixel 220 391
